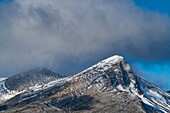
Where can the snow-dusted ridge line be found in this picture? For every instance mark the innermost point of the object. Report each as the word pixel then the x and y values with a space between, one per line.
pixel 153 95
pixel 8 90
pixel 156 98
pixel 10 94
pixel 107 63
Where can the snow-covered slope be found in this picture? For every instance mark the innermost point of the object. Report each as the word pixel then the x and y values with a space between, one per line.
pixel 122 77
pixel 111 83
pixel 1 78
pixel 21 82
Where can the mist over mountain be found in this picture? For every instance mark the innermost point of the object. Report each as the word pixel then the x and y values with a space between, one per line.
pixel 48 33
pixel 68 37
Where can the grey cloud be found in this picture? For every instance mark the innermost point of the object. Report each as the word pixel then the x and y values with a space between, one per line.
pixel 61 34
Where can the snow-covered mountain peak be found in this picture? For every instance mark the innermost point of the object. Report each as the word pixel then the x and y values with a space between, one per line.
pixel 24 80
pixel 113 59
pixel 116 72
pixel 111 78
pixel 104 64
pixel 109 62
pixel 31 77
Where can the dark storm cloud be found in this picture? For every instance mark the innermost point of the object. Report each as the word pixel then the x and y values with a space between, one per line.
pixel 72 33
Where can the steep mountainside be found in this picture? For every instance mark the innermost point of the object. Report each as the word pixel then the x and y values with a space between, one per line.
pixel 110 86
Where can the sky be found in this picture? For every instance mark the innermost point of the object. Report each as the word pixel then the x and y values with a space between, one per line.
pixel 69 36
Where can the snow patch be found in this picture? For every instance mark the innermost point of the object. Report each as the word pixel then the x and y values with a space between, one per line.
pixel 1 79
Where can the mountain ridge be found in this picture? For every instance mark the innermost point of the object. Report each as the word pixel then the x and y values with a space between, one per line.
pixel 110 85
pixel 30 78
pixel 23 81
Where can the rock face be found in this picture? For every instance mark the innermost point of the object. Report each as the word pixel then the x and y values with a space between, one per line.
pixel 110 86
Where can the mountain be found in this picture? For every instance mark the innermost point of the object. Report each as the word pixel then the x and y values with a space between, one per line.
pixel 168 91
pixel 109 86
pixel 31 78
pixel 24 81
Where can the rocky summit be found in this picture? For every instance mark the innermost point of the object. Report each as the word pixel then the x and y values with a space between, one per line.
pixel 109 86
